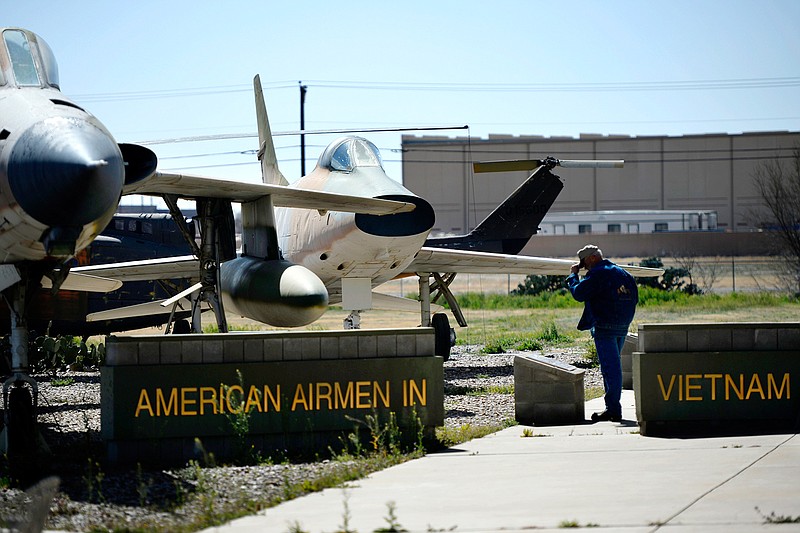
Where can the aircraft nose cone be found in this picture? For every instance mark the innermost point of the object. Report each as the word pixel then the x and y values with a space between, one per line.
pixel 66 172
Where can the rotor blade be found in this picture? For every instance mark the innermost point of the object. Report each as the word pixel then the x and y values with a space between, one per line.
pixel 513 165
pixel 510 165
pixel 591 163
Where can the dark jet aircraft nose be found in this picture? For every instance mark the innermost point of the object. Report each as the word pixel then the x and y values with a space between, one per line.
pixel 66 172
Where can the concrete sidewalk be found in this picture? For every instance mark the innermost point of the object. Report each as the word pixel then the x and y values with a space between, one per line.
pixel 602 475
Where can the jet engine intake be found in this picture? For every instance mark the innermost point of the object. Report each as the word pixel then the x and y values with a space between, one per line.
pixel 276 292
pixel 140 162
pixel 415 222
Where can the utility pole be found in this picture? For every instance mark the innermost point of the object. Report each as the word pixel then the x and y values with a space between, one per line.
pixel 303 90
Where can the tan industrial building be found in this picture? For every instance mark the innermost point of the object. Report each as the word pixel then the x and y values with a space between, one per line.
pixel 697 173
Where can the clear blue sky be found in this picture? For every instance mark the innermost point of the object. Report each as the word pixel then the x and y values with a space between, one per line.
pixel 172 68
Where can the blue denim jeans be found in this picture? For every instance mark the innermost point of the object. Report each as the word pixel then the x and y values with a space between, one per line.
pixel 608 351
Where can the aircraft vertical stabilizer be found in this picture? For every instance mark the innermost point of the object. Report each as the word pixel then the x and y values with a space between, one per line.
pixel 510 226
pixel 266 150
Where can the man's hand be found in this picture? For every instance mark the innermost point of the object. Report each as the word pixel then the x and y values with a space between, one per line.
pixel 575 268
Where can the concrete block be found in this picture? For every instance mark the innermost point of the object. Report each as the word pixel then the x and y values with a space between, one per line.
pixel 212 350
pixel 712 339
pixel 329 347
pixel 662 338
pixel 292 349
pixel 765 339
pixel 367 346
pixel 233 350
pixel 272 349
pixel 170 352
pixel 149 353
pixel 743 338
pixel 626 356
pixel 789 338
pixel 547 391
pixel 386 345
pixel 426 343
pixel 122 353
pixel 523 373
pixel 348 347
pixel 406 344
pixel 556 413
pixel 191 351
pixel 253 350
pixel 310 348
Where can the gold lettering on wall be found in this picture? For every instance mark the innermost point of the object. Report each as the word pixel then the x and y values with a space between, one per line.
pixel 313 396
pixel 727 387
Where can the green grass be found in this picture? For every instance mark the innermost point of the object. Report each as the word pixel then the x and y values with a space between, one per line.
pixel 648 296
pixel 547 300
pixel 525 322
pixel 451 436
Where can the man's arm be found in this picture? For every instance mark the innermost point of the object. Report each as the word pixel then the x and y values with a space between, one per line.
pixel 581 289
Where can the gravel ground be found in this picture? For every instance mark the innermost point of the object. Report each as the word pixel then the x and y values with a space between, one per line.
pixel 95 497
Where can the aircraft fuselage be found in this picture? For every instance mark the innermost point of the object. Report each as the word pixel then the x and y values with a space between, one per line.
pixel 61 171
pixel 336 245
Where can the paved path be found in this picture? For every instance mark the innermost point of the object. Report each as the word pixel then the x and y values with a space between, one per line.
pixel 603 475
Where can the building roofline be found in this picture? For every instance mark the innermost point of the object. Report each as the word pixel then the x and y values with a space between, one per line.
pixel 586 137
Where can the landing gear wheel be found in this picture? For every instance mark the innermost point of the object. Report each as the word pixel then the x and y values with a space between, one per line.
pixel 181 326
pixel 444 335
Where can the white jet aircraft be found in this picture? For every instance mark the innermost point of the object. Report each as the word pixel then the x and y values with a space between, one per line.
pixel 61 177
pixel 350 254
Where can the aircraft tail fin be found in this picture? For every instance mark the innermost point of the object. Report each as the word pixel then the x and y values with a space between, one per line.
pixel 510 226
pixel 270 173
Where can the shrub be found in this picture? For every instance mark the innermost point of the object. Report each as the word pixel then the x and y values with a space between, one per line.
pixel 535 285
pixel 671 280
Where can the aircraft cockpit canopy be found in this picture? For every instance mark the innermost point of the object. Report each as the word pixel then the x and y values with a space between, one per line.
pixel 347 153
pixel 31 59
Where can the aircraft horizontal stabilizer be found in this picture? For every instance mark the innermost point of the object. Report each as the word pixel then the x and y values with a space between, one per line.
pixel 443 260
pixel 84 283
pixel 133 311
pixel 185 266
pixel 188 186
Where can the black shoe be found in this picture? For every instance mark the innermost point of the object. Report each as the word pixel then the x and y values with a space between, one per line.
pixel 605 415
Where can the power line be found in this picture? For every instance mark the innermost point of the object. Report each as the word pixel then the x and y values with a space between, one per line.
pixel 628 161
pixel 681 85
pixel 172 93
pixel 621 86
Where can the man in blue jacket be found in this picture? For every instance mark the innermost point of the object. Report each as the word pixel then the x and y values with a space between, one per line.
pixel 610 296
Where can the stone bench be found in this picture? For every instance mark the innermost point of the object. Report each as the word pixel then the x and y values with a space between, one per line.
pixel 547 392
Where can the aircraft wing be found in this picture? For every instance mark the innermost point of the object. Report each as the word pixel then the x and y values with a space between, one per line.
pixel 185 266
pixel 444 260
pixel 188 186
pixel 76 281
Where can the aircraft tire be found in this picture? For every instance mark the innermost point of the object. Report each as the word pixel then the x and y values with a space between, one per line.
pixel 181 326
pixel 444 337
